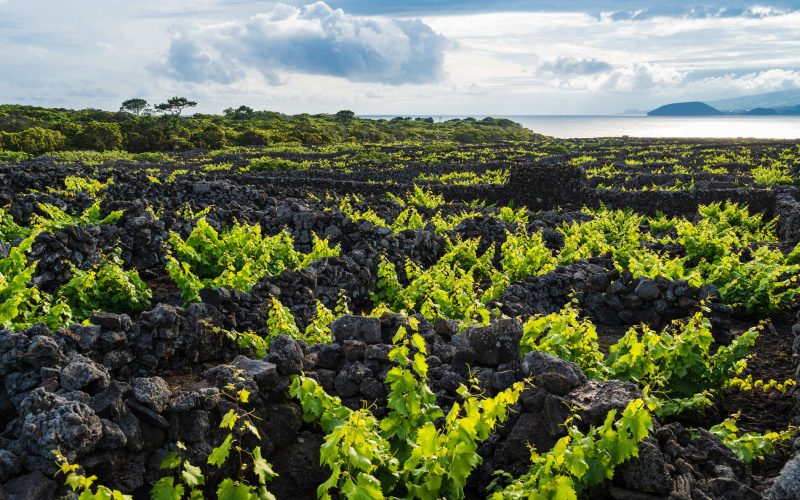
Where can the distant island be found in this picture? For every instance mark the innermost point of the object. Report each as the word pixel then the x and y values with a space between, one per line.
pixel 685 109
pixel 785 103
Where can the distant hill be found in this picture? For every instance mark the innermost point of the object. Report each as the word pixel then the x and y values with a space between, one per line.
pixel 769 100
pixel 685 109
pixel 761 112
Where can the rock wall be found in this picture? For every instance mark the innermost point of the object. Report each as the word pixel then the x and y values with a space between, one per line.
pixel 613 298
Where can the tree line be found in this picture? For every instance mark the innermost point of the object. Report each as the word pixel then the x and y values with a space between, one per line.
pixel 139 126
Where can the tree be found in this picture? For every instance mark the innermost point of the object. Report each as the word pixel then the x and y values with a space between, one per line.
pixel 254 137
pixel 344 117
pixel 134 106
pixel 213 136
pixel 240 113
pixel 100 136
pixel 175 105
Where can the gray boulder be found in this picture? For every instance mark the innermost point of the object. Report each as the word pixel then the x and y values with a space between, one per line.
pixel 364 329
pixel 33 486
pixel 496 343
pixel 286 354
pixel 83 374
pixel 595 399
pixel 551 373
pixel 787 485
pixel 53 422
pixel 151 391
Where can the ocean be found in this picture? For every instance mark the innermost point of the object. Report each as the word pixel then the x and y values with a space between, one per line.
pixel 565 127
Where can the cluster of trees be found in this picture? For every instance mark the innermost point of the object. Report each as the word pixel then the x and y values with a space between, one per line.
pixel 140 127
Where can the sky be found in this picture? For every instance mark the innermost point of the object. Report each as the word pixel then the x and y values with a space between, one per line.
pixel 415 57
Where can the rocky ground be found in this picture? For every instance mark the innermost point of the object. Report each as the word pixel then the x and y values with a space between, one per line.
pixel 116 393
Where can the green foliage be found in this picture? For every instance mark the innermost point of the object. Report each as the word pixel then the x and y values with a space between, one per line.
pixel 135 106
pixel 579 461
pixel 74 184
pixel 774 173
pixel 56 219
pixel 422 198
pixel 245 340
pixel 567 336
pixel 409 218
pixel 269 163
pixel 748 384
pixel 721 230
pixel 100 136
pixel 38 130
pixel 34 140
pixel 9 229
pixel 318 330
pixel 749 446
pixel 413 451
pixel 448 289
pixel 106 287
pixel 499 176
pixel 678 360
pixel 13 156
pixel 696 404
pixel 280 321
pixel 518 218
pixel 175 105
pixel 22 305
pixel 580 160
pixel 100 158
pixel 81 485
pixel 524 254
pixel 610 231
pixel 355 215
pixel 645 263
pixel 661 223
pixel 757 285
pixel 237 258
pixel 187 481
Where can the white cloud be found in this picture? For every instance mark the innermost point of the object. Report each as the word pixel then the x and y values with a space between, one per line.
pixel 572 66
pixel 762 81
pixel 314 39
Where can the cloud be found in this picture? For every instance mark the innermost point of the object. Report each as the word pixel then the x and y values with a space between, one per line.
pixel 591 74
pixel 570 66
pixel 695 12
pixel 189 63
pixel 689 8
pixel 313 39
pixel 761 81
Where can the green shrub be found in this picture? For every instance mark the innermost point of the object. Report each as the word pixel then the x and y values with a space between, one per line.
pixel 34 140
pixel 106 287
pixel 579 461
pixel 775 173
pixel 415 451
pixel 269 164
pixel 23 305
pixel 13 156
pixel 236 258
pixel 100 136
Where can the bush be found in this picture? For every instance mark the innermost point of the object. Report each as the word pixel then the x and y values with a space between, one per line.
pixel 254 137
pixel 268 164
pixel 106 287
pixel 100 136
pixel 34 140
pixel 13 156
